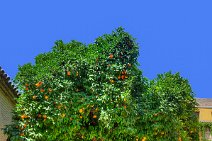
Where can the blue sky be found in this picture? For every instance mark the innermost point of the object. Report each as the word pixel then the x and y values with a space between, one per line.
pixel 172 35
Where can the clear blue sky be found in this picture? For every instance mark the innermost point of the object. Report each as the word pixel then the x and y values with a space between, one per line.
pixel 173 35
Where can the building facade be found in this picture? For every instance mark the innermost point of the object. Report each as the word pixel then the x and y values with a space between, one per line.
pixel 8 93
pixel 205 115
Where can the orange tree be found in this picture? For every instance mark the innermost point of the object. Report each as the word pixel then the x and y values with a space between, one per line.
pixel 96 92
pixel 168 109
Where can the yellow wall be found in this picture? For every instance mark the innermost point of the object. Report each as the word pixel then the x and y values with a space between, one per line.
pixel 205 114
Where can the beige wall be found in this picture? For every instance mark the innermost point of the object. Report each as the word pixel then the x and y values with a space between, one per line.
pixel 205 114
pixel 6 106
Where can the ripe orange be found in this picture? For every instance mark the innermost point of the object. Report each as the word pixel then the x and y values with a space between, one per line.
pixel 46 97
pixel 34 97
pixel 38 84
pixel 50 90
pixel 144 139
pixel 80 116
pixel 68 73
pixel 23 116
pixel 21 134
pixel 94 116
pixel 123 77
pixel 124 72
pixel 111 56
pixel 42 90
pixel 26 88
pixel 44 117
pixel 119 77
pixel 63 115
pixel 112 81
pixel 80 110
pixel 155 115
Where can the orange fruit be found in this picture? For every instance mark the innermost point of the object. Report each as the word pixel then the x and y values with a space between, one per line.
pixel 34 97
pixel 42 90
pixel 123 77
pixel 26 88
pixel 68 73
pixel 44 117
pixel 144 139
pixel 94 116
pixel 80 116
pixel 23 116
pixel 112 81
pixel 21 134
pixel 124 72
pixel 63 115
pixel 119 77
pixel 46 97
pixel 179 139
pixel 80 110
pixel 125 106
pixel 26 85
pixel 155 115
pixel 111 56
pixel 50 90
pixel 38 84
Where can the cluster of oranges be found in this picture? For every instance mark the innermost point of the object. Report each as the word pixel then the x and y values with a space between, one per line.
pixel 46 97
pixel 123 75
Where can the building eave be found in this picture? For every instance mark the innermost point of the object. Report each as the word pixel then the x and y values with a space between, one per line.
pixel 7 86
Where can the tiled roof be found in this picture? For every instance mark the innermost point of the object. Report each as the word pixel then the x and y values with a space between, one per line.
pixel 6 80
pixel 204 102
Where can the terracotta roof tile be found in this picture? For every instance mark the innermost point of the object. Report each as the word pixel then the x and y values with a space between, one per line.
pixel 204 102
pixel 6 79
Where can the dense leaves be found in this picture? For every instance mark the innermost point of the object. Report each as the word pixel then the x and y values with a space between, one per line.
pixel 96 92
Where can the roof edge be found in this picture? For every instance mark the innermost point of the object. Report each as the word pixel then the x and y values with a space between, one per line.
pixel 8 83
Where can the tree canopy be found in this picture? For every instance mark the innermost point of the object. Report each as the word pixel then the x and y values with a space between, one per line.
pixel 96 92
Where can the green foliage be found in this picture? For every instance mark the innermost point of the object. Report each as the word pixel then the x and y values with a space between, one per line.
pixel 168 109
pixel 204 126
pixel 97 92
